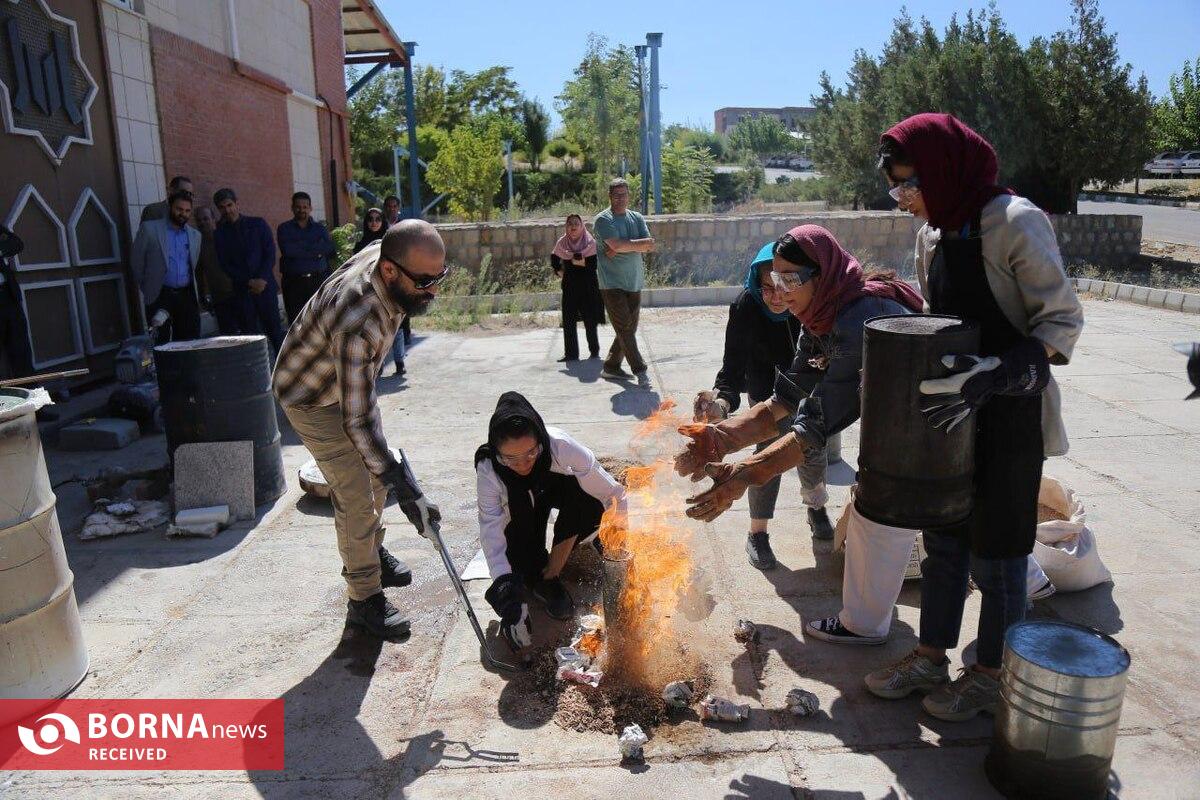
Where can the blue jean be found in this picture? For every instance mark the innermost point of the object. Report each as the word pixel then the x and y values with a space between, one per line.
pixel 399 348
pixel 948 562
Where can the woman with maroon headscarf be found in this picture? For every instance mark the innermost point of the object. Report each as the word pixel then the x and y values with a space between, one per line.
pixel 989 256
pixel 824 287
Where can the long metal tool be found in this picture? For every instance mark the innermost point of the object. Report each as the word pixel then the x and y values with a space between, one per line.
pixel 435 530
pixel 45 376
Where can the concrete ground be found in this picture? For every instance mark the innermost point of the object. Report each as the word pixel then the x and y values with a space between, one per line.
pixel 258 611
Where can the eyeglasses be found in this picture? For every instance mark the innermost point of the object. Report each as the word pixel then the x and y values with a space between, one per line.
pixel 531 455
pixel 423 281
pixel 898 191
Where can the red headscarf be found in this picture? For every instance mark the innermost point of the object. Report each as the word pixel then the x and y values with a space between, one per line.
pixel 840 281
pixel 956 167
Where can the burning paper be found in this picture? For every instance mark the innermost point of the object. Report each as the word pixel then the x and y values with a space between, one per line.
pixel 802 703
pixel 719 709
pixel 580 675
pixel 679 694
pixel 631 742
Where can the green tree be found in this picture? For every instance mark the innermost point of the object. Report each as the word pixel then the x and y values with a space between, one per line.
pixel 1177 114
pixel 536 123
pixel 687 176
pixel 762 136
pixel 468 168
pixel 714 143
pixel 599 107
pixel 470 94
pixel 429 86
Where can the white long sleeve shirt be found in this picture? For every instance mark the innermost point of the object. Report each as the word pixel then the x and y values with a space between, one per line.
pixel 567 457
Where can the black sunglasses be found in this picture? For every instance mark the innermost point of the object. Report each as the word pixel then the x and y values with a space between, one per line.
pixel 423 281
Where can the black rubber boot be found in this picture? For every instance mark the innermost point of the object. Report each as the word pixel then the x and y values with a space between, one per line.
pixel 393 571
pixel 558 601
pixel 819 524
pixel 758 550
pixel 378 617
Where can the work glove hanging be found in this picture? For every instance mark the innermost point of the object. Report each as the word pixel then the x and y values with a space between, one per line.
pixel 506 598
pixel 1022 371
pixel 423 514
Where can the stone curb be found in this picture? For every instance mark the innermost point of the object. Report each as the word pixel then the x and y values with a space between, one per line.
pixel 549 301
pixel 1137 199
pixel 1169 299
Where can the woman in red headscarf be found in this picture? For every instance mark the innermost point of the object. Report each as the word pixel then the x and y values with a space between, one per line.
pixel 825 288
pixel 986 255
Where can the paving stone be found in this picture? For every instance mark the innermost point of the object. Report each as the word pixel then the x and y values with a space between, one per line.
pixel 216 474
pixel 98 434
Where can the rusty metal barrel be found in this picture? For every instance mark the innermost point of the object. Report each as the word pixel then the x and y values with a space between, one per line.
pixel 911 475
pixel 1061 690
pixel 42 652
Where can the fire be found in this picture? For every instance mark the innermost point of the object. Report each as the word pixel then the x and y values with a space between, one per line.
pixel 656 537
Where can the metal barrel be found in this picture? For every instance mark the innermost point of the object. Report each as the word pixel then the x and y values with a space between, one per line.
pixel 219 390
pixel 616 569
pixel 911 475
pixel 42 652
pixel 1061 690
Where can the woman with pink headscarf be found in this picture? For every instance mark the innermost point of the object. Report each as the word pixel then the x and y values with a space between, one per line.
pixel 825 288
pixel 574 262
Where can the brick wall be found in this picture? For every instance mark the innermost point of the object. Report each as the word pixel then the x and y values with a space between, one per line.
pixel 328 58
pixel 718 248
pixel 223 125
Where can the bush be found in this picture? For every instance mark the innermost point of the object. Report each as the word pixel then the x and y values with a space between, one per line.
pixel 344 238
pixel 805 190
pixel 545 189
pixel 558 148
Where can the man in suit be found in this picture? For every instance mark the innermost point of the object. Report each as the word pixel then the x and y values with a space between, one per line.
pixel 158 209
pixel 163 261
pixel 14 333
pixel 246 252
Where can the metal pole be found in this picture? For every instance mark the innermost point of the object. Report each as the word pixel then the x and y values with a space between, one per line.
pixel 643 146
pixel 410 116
pixel 508 167
pixel 396 168
pixel 654 41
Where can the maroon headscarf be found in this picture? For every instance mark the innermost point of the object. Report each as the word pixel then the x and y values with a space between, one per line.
pixel 956 167
pixel 840 281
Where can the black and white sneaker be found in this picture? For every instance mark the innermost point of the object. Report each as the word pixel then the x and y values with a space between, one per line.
pixel 831 629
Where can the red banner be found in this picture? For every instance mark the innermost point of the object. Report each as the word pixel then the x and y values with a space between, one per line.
pixel 141 734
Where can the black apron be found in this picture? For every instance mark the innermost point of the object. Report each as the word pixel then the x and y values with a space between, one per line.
pixel 1008 430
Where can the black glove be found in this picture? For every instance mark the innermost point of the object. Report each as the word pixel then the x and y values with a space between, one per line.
pixel 423 514
pixel 1022 371
pixel 507 597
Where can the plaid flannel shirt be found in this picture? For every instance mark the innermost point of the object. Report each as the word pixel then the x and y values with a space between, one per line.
pixel 335 349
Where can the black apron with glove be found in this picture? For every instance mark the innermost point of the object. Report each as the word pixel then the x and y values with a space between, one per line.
pixel 1008 430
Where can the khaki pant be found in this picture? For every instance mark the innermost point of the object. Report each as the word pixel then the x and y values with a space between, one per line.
pixel 358 496
pixel 623 308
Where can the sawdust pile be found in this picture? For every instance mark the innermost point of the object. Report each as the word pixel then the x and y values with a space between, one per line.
pixel 604 709
pixel 1048 514
pixel 618 467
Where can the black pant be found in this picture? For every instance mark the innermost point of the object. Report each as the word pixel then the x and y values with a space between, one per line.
pixel 260 314
pixel 229 320
pixel 14 335
pixel 184 322
pixel 298 289
pixel 571 338
pixel 578 515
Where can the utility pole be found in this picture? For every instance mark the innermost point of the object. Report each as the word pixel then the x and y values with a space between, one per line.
pixel 643 122
pixel 410 116
pixel 654 41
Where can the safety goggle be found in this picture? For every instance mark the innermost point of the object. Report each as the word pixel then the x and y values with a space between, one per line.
pixel 787 282
pixel 531 455
pixel 898 191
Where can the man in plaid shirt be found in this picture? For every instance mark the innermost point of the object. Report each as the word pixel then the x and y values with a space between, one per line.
pixel 325 381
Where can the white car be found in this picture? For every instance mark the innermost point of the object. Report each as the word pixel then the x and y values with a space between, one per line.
pixel 1191 163
pixel 1168 163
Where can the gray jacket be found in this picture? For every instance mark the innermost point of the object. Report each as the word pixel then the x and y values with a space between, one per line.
pixel 148 257
pixel 1025 273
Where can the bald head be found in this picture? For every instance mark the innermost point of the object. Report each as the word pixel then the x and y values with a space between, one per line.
pixel 409 235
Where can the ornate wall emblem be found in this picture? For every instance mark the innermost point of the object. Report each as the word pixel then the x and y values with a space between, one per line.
pixel 46 90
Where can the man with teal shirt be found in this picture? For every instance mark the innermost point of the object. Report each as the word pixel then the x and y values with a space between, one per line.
pixel 623 237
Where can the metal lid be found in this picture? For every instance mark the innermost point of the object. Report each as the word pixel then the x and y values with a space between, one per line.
pixel 919 324
pixel 1067 649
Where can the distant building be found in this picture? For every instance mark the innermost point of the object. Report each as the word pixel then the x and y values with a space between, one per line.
pixel 792 117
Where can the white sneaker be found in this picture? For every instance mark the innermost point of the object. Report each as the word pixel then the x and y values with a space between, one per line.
pixel 1043 591
pixel 913 673
pixel 969 694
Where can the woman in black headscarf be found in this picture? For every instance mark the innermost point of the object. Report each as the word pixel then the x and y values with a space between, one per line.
pixel 523 471
pixel 373 229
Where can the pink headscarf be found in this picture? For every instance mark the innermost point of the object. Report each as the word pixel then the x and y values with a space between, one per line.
pixel 566 248
pixel 840 281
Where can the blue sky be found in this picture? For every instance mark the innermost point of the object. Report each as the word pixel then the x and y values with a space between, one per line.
pixel 746 52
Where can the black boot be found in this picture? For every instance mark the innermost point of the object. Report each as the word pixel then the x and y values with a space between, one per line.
pixel 393 571
pixel 758 549
pixel 378 617
pixel 818 523
pixel 558 601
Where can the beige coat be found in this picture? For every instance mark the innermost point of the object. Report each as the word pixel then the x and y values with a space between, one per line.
pixel 1025 272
